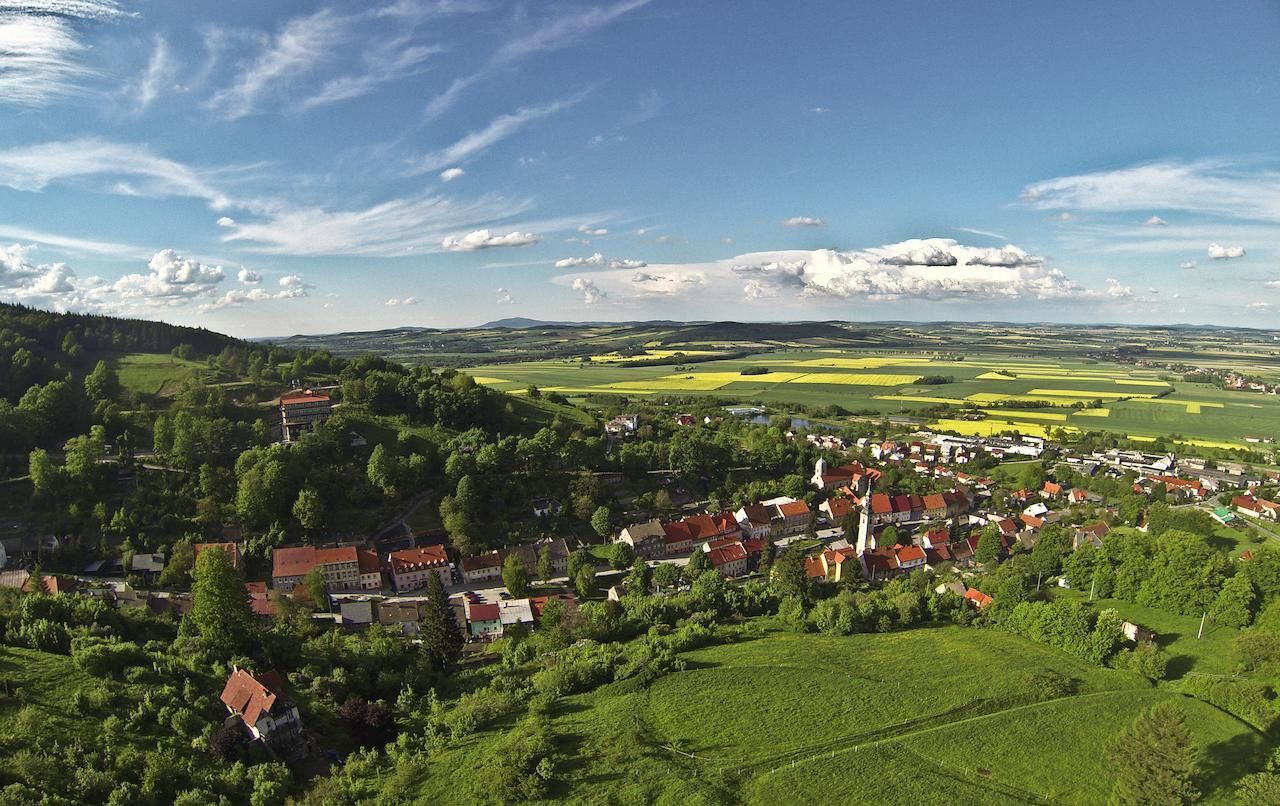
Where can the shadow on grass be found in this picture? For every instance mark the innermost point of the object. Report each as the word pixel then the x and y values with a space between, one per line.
pixel 1178 666
pixel 1223 763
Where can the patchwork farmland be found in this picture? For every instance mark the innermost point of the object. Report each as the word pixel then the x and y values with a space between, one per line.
pixel 994 392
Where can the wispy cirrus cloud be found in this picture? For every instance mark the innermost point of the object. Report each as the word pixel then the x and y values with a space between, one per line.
pixel 556 32
pixel 41 47
pixel 803 222
pixel 499 129
pixel 1220 187
pixel 149 85
pixel 383 64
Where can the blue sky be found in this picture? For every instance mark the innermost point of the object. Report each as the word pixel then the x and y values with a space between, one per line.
pixel 284 167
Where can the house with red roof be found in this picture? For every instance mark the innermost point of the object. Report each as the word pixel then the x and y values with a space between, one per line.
pixel 790 518
pixel 1051 489
pixel 681 536
pixel 301 412
pixel 411 567
pixel 852 475
pixel 729 559
pixel 340 567
pixel 484 620
pixel 910 557
pixel 754 520
pixel 837 509
pixel 646 539
pixel 1091 534
pixel 262 706
pixel 935 506
pixel 481 567
pixel 977 598
pixel 1255 507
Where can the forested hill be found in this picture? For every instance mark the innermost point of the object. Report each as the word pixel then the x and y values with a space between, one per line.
pixel 39 346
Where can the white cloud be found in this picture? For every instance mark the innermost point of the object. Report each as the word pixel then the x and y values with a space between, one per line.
pixel 301 44
pixel 727 240
pixel 384 62
pixel 587 230
pixel 171 278
pixel 159 70
pixel 291 287
pixel 73 244
pixel 1189 264
pixel 591 294
pixel 402 301
pixel 226 221
pixel 1155 221
pixel 1117 290
pixel 626 263
pixel 41 45
pixel 803 221
pixel 247 277
pixel 504 297
pixel 450 174
pixel 1212 186
pixel 573 262
pixel 663 239
pixel 984 233
pixel 1272 283
pixel 553 33
pixel 33 168
pixel 1009 257
pixel 484 239
pixel 1064 217
pixel 1217 252
pixel 499 129
pixel 936 269
pixel 932 255
pixel 818 110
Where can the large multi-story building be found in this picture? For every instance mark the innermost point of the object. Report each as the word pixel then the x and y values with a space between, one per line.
pixel 340 566
pixel 302 411
pixel 410 568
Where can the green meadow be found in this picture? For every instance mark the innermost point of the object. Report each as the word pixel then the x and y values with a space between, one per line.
pixel 939 715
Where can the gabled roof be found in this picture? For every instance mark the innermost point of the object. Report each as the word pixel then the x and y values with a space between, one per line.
pixel 250 697
pixel 734 552
pixel 294 398
pixel 794 509
pixel 979 599
pixel 483 612
pixel 418 559
pixel 908 554
pixel 297 561
pixel 935 501
pixel 477 562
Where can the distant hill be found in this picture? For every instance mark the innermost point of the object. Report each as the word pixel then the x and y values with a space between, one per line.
pixel 524 323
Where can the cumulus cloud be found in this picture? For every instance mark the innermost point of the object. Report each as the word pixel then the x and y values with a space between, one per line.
pixel 1156 221
pixel 484 239
pixel 247 277
pixel 936 269
pixel 1217 252
pixel 402 301
pixel 1189 264
pixel 1117 290
pixel 591 293
pixel 588 230
pixel 226 222
pixel 803 221
pixel 626 263
pixel 1008 257
pixel 450 174
pixel 504 297
pixel 171 278
pixel 573 262
pixel 927 255
pixel 291 287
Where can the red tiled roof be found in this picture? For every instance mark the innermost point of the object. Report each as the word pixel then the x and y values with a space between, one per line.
pixel 700 527
pixel 757 514
pixel 840 507
pixel 539 603
pixel 908 554
pixel 255 587
pixel 1032 520
pixel 368 561
pixel 299 560
pixel 251 697
pixel 303 397
pixel 902 503
pixel 881 504
pixel 477 562
pixel 937 537
pixel 979 599
pixel 418 559
pixel 813 568
pixel 794 509
pixel 52 584
pixel 735 552
pixel 1053 488
pixel 934 501
pixel 484 612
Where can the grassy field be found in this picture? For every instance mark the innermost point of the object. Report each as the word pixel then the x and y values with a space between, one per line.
pixel 885 383
pixel 161 375
pixel 897 718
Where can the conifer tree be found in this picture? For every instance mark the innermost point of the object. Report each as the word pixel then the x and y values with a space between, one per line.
pixel 441 638
pixel 1153 761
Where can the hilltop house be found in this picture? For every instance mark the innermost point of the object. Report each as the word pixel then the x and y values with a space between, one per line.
pixel 262 706
pixel 302 411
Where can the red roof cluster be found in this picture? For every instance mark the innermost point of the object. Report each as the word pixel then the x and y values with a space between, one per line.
pixel 734 552
pixel 700 527
pixel 297 561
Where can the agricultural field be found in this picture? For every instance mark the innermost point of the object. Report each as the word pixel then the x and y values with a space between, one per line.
pixel 1034 397
pixel 158 374
pixel 789 718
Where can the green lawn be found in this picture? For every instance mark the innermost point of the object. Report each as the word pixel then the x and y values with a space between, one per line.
pixel 157 374
pixel 1176 635
pixel 941 715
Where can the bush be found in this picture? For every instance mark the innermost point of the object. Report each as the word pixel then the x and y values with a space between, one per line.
pixel 1246 699
pixel 1147 660
pixel 100 657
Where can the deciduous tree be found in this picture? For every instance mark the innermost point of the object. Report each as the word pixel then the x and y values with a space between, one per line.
pixel 220 612
pixel 515 577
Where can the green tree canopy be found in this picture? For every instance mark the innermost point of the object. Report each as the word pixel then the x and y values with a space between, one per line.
pixel 1153 761
pixel 220 612
pixel 515 576
pixel 441 638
